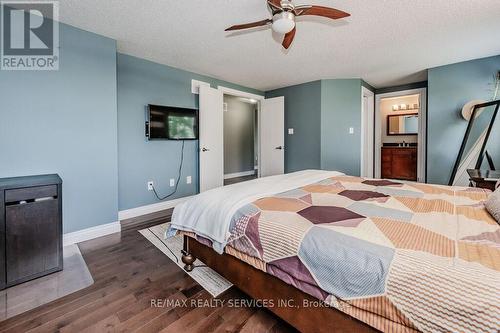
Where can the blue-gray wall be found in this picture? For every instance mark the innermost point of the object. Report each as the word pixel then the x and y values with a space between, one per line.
pixel 450 87
pixel 65 122
pixel 321 113
pixel 303 114
pixel 141 82
pixel 340 110
pixel 68 122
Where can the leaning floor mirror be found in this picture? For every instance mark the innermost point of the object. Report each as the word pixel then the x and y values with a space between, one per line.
pixel 476 149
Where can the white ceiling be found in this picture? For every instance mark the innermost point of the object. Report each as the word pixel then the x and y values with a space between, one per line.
pixel 385 42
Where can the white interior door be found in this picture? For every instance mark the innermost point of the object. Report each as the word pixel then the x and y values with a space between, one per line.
pixel 367 132
pixel 211 139
pixel 272 137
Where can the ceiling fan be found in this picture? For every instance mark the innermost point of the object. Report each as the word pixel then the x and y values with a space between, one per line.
pixel 284 14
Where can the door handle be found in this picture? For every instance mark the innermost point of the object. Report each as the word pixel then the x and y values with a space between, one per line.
pixel 205 149
pixel 280 148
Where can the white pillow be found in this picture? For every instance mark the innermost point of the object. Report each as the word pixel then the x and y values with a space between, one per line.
pixel 493 204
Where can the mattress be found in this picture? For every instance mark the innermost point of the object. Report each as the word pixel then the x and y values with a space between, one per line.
pixel 401 257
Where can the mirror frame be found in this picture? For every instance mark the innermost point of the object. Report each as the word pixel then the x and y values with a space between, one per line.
pixel 399 115
pixel 466 137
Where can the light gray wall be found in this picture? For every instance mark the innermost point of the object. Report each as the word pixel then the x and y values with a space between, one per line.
pixel 450 88
pixel 303 114
pixel 65 122
pixel 141 82
pixel 238 135
pixel 340 110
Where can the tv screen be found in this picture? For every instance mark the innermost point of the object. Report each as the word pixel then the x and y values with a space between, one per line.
pixel 172 123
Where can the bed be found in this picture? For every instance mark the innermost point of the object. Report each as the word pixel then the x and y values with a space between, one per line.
pixel 335 252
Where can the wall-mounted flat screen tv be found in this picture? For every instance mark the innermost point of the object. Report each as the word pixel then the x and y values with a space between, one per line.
pixel 171 123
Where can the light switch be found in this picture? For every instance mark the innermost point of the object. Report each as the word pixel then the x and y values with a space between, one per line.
pixel 290 131
pixel 172 182
pixel 351 130
pixel 189 180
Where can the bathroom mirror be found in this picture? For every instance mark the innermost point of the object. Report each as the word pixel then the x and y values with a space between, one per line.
pixel 475 145
pixel 402 124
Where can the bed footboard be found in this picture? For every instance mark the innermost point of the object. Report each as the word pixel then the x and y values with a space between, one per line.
pixel 288 301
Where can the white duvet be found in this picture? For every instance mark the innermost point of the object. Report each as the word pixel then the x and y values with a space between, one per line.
pixel 209 214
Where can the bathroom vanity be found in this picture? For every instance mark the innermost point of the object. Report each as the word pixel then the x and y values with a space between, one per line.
pixel 399 162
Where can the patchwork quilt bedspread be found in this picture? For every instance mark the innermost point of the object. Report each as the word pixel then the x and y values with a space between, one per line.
pixel 401 257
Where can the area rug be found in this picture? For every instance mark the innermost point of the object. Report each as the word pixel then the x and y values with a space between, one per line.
pixel 209 279
pixel 29 295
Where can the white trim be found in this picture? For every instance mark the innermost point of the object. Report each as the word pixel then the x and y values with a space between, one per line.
pixel 195 86
pixel 422 127
pixel 239 174
pixel 91 233
pixel 234 92
pixel 367 128
pixel 148 209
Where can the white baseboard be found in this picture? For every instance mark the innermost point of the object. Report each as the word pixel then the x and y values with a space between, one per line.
pixel 153 208
pixel 91 233
pixel 239 174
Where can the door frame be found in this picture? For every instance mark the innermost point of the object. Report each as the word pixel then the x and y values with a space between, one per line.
pixel 422 131
pixel 367 129
pixel 258 98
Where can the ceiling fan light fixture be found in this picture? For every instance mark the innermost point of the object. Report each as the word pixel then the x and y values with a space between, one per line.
pixel 283 22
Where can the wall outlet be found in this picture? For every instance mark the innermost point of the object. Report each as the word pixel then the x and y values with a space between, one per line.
pixel 189 180
pixel 351 130
pixel 290 131
pixel 172 182
pixel 150 185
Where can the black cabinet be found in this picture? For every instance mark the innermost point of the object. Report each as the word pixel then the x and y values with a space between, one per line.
pixel 30 228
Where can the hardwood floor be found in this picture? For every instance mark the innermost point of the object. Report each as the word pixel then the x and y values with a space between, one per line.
pixel 129 272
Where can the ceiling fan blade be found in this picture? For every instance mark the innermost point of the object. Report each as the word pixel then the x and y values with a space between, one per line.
pixel 331 13
pixel 275 5
pixel 287 41
pixel 249 25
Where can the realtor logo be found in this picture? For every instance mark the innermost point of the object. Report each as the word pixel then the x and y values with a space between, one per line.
pixel 29 35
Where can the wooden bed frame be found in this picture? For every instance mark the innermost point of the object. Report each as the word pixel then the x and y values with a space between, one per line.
pixel 262 286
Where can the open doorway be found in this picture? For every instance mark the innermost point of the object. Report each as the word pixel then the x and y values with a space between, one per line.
pixel 241 155
pixel 268 136
pixel 400 135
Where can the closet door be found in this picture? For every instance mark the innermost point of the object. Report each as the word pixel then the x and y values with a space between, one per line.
pixel 211 139
pixel 272 141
